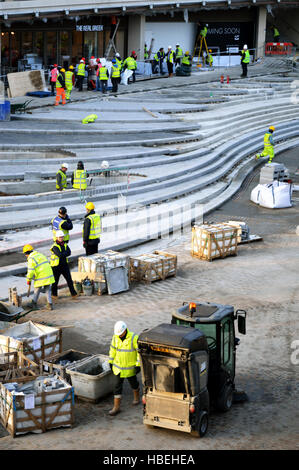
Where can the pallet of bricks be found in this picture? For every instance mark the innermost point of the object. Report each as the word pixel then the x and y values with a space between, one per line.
pixel 14 365
pixel 33 340
pixel 152 266
pixel 214 241
pixel 36 405
pixel 98 268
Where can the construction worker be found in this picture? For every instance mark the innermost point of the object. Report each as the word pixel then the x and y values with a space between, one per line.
pixel 209 58
pixel 104 76
pixel 131 64
pixel 276 34
pixel 178 54
pixel 268 145
pixel 170 61
pixel 40 271
pixel 203 32
pixel 146 56
pixel 124 363
pixel 115 75
pixel 53 77
pixel 60 251
pixel 69 82
pixel 91 230
pixel 187 59
pixel 158 60
pixel 63 223
pixel 60 88
pixel 245 59
pixel 80 74
pixel 61 181
pixel 79 177
pixel 118 59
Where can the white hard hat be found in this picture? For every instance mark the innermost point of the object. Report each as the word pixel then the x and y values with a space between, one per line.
pixel 59 234
pixel 64 165
pixel 169 47
pixel 104 164
pixel 245 46
pixel 81 61
pixel 119 328
pixel 207 25
pixel 117 54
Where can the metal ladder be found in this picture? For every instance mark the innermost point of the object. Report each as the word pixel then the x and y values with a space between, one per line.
pixel 111 42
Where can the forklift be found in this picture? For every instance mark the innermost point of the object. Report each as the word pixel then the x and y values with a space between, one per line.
pixel 188 366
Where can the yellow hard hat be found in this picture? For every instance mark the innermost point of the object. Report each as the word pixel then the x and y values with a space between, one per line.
pixel 187 53
pixel 62 70
pixel 89 206
pixel 27 248
pixel 272 128
pixel 71 67
pixel 210 50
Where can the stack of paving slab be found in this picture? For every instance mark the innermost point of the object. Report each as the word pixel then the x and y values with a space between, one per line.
pixel 273 171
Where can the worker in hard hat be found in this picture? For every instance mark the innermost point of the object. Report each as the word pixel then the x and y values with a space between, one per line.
pixel 124 363
pixel 170 59
pixel 245 59
pixel 60 251
pixel 61 181
pixel 69 82
pixel 115 75
pixel 79 177
pixel 204 31
pixel 80 74
pixel 268 145
pixel 209 58
pixel 178 54
pixel 60 88
pixel 92 228
pixel 158 60
pixel 62 222
pixel 39 270
pixel 276 34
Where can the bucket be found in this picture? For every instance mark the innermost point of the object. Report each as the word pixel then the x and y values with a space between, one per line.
pixel 87 290
pixel 78 287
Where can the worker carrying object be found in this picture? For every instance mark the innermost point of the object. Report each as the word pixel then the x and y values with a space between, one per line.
pixel 124 363
pixel 89 118
pixel 61 181
pixel 69 82
pixel 79 177
pixel 62 222
pixel 92 228
pixel 245 59
pixel 131 64
pixel 268 145
pixel 39 270
pixel 60 251
pixel 60 88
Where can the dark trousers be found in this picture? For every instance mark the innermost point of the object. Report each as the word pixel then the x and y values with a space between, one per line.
pixel 53 86
pixel 244 69
pixel 104 84
pixel 170 67
pixel 115 82
pixel 119 384
pixel 80 79
pixel 91 249
pixel 63 270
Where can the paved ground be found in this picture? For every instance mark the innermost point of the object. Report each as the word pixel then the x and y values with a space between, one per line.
pixel 262 279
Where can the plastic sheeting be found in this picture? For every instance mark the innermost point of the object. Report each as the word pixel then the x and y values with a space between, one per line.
pixel 276 195
pixel 125 76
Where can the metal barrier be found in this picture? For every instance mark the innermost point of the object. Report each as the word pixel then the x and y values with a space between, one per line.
pixel 114 181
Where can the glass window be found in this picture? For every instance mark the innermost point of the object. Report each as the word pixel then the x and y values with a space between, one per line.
pixel 226 342
pixel 90 44
pixel 27 44
pixel 209 329
pixel 39 44
pixel 77 46
pixel 51 49
pixel 5 49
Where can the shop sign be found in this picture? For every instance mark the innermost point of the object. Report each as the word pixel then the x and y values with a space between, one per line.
pixel 89 27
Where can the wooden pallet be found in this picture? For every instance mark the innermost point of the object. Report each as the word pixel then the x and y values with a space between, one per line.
pixel 214 241
pixel 158 266
pixel 52 409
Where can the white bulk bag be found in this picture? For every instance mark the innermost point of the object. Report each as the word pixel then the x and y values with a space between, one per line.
pixel 125 76
pixel 276 195
pixel 254 197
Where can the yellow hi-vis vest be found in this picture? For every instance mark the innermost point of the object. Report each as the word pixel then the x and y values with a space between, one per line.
pixel 103 73
pixel 56 225
pixel 123 355
pixel 39 269
pixel 186 60
pixel 115 71
pixel 246 59
pixel 69 79
pixel 79 181
pixel 58 84
pixel 179 52
pixel 63 179
pixel 131 63
pixel 54 259
pixel 81 70
pixel 95 227
pixel 267 142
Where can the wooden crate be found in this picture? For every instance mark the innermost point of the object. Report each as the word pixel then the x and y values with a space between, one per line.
pixel 153 267
pixel 52 409
pixel 214 241
pixel 49 365
pixel 47 342
pixel 15 365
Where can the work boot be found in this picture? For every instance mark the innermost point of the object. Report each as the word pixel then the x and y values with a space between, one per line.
pixel 257 156
pixel 116 407
pixel 136 397
pixel 75 296
pixel 49 306
pixel 33 305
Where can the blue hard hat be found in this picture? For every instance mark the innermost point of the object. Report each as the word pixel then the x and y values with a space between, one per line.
pixel 113 61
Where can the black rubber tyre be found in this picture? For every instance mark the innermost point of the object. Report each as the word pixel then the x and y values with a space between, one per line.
pixel 225 399
pixel 202 425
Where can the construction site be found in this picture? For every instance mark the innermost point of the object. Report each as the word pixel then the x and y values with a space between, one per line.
pixel 197 255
